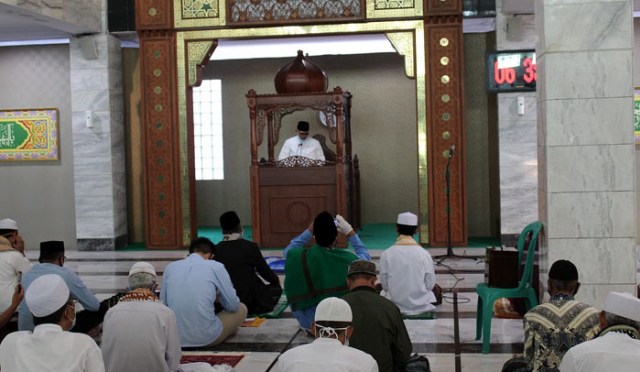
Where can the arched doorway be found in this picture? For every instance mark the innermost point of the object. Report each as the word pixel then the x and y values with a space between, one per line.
pixel 176 40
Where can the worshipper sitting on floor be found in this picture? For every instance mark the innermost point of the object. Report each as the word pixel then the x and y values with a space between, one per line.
pixel 247 267
pixel 380 330
pixel 50 347
pixel 320 271
pixel 191 286
pixel 550 329
pixel 9 230
pixel 330 351
pixel 554 327
pixel 302 145
pixel 12 265
pixel 140 333
pixel 407 274
pixel 617 346
pixel 8 314
pixel 52 260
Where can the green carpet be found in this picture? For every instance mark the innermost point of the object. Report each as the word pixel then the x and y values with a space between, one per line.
pixel 374 236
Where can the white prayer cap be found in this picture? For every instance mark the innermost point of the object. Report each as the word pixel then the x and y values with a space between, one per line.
pixel 623 304
pixel 8 224
pixel 142 267
pixel 47 294
pixel 408 219
pixel 333 309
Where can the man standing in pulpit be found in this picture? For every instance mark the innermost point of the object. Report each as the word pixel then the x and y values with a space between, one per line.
pixel 302 145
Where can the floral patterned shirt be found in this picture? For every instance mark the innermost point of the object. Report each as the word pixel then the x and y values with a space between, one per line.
pixel 552 328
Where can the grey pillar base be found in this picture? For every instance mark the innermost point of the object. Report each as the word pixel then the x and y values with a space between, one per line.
pixel 101 244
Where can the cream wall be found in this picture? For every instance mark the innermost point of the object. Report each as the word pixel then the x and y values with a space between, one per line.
pixel 383 131
pixel 39 195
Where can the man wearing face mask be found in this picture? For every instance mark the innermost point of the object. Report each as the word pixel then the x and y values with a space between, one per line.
pixel 155 344
pixel 330 350
pixel 50 347
pixel 302 145
pixel 52 261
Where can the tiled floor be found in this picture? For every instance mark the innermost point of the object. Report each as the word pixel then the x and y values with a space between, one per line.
pixel 105 273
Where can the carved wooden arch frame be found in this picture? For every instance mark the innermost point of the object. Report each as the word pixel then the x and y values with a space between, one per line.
pixel 419 38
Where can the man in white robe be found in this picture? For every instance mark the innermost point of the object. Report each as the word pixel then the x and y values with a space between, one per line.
pixel 140 333
pixel 302 145
pixel 50 347
pixel 617 346
pixel 407 274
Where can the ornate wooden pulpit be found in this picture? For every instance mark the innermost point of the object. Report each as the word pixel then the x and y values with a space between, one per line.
pixel 286 195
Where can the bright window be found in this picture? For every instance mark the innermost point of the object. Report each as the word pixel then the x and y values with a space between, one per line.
pixel 207 130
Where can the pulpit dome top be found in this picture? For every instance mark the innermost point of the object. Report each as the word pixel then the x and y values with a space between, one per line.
pixel 301 76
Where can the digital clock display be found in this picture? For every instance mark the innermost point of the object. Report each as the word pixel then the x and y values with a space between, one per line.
pixel 511 71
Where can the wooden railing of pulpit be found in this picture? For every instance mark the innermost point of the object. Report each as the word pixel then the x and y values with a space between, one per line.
pixel 287 195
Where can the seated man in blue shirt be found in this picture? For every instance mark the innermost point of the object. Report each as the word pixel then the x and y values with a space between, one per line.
pixel 51 260
pixel 191 287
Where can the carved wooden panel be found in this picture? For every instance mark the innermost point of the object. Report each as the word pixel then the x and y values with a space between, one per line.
pixel 438 7
pixel 160 136
pixel 290 198
pixel 154 14
pixel 445 130
pixel 266 12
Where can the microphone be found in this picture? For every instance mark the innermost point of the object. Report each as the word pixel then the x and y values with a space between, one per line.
pixel 452 149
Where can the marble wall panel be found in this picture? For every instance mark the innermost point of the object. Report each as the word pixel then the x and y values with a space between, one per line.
pixel 512 38
pixel 591 214
pixel 94 227
pixel 518 131
pixel 89 79
pixel 588 121
pixel 588 26
pixel 91 144
pixel 522 177
pixel 594 294
pixel 518 154
pixel 95 100
pixel 591 168
pixel 599 260
pixel 92 165
pixel 94 185
pixel 592 74
pixel 94 206
pixel 101 121
pixel 518 208
pixel 508 106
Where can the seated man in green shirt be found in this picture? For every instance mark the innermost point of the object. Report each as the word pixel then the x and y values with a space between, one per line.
pixel 313 274
pixel 377 322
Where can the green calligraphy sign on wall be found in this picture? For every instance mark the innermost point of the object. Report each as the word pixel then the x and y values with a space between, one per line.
pixel 30 134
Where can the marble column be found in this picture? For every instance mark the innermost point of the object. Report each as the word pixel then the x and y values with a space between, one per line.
pixel 98 142
pixel 516 135
pixel 586 160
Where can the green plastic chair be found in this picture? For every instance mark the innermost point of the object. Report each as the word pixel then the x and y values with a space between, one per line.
pixel 488 295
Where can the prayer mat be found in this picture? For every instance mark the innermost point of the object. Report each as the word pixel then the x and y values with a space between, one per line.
pixel 277 310
pixel 211 358
pixel 503 309
pixel 427 315
pixel 253 322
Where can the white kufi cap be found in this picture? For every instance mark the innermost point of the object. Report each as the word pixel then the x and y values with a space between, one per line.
pixel 408 219
pixel 142 267
pixel 8 224
pixel 623 304
pixel 333 309
pixel 47 294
